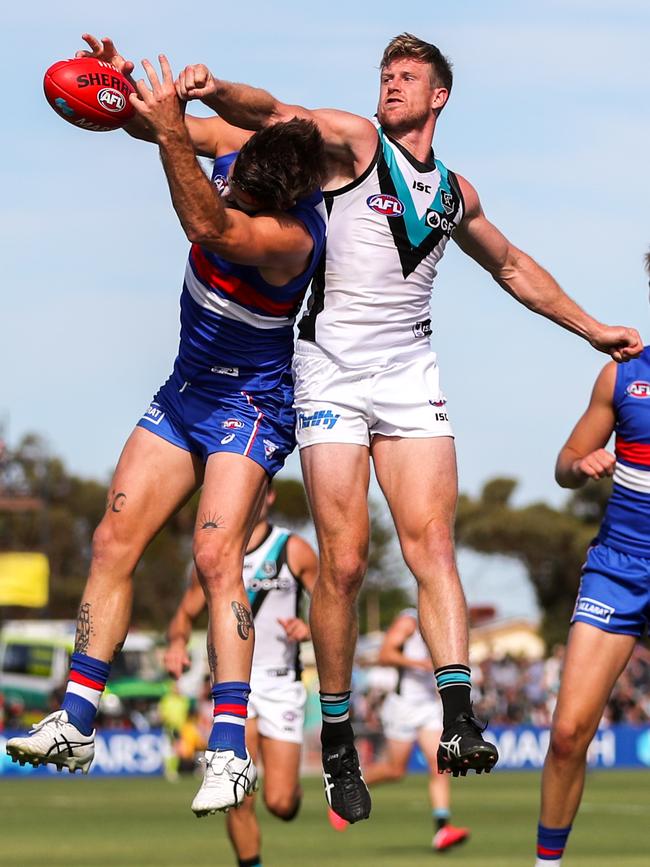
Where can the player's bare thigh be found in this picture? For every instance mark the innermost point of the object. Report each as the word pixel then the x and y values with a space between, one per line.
pixel 233 490
pixel 594 661
pixel 152 479
pixel 419 479
pixel 336 477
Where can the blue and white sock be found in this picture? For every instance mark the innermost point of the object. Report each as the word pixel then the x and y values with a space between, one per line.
pixel 86 683
pixel 230 710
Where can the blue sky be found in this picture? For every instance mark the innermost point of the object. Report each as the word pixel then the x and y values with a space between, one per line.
pixel 548 119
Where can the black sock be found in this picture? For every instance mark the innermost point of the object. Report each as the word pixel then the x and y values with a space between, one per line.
pixel 337 728
pixel 455 687
pixel 249 862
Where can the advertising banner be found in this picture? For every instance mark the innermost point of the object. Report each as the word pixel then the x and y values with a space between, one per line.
pixel 117 753
pixel 523 748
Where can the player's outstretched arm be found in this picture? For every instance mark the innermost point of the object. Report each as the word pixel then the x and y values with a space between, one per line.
pixel 206 134
pixel 275 240
pixel 531 285
pixel 179 632
pixel 350 140
pixel 583 456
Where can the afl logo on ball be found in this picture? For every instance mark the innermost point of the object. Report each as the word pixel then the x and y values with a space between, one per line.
pixel 639 389
pixel 111 99
pixel 387 206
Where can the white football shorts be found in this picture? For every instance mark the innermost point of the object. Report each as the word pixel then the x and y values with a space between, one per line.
pixel 403 718
pixel 343 405
pixel 278 704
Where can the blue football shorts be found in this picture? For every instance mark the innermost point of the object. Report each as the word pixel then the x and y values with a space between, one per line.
pixel 614 592
pixel 259 426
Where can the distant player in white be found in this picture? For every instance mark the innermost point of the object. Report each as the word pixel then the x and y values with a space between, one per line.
pixel 413 712
pixel 278 567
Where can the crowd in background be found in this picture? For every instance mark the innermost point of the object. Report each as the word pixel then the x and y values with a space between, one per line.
pixel 506 691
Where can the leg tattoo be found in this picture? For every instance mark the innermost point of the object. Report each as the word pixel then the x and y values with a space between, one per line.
pixel 116 501
pixel 211 521
pixel 244 619
pixel 212 660
pixel 84 629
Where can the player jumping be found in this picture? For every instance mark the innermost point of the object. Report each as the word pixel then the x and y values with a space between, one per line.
pixel 223 419
pixel 367 383
pixel 411 713
pixel 278 567
pixel 612 610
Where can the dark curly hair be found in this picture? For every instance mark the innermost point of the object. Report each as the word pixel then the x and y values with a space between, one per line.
pixel 281 163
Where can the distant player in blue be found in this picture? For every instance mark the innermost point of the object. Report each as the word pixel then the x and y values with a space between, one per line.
pixel 613 606
pixel 224 419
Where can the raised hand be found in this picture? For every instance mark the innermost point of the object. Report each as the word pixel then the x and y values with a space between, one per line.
pixel 158 105
pixel 195 82
pixel 104 49
pixel 621 343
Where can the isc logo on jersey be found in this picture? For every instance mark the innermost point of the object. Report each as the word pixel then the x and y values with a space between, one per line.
pixel 270 584
pixel 387 206
pixel 111 99
pixel 639 389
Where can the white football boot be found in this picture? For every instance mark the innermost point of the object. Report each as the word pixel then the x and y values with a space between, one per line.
pixel 54 741
pixel 227 781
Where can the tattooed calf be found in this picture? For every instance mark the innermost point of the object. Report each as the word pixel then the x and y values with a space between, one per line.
pixel 84 629
pixel 244 619
pixel 212 660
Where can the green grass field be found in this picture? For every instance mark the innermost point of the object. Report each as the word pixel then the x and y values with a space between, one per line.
pixel 132 823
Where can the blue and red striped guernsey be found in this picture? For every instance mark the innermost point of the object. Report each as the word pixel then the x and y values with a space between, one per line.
pixel 231 318
pixel 626 525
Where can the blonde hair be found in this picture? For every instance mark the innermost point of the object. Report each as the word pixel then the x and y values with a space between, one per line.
pixel 408 46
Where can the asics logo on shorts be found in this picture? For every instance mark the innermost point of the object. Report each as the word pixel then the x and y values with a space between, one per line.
pixel 322 417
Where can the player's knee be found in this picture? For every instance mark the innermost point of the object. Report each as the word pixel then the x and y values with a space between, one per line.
pixel 111 548
pixel 431 551
pixel 569 739
pixel 218 566
pixel 284 805
pixel 345 575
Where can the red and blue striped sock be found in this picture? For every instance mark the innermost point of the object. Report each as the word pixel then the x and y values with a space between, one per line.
pixel 230 708
pixel 550 844
pixel 86 683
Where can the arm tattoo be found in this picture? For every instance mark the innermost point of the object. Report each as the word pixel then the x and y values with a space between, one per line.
pixel 211 521
pixel 84 629
pixel 244 619
pixel 116 501
pixel 212 660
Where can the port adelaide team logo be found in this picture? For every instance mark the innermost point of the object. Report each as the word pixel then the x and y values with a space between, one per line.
pixel 387 206
pixel 111 99
pixel 639 389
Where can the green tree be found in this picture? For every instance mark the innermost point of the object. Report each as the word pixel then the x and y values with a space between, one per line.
pixel 550 543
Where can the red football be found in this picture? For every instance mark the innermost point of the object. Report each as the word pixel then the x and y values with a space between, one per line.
pixel 89 93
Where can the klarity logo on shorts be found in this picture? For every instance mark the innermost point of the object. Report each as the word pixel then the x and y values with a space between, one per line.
pixel 322 417
pixel 594 609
